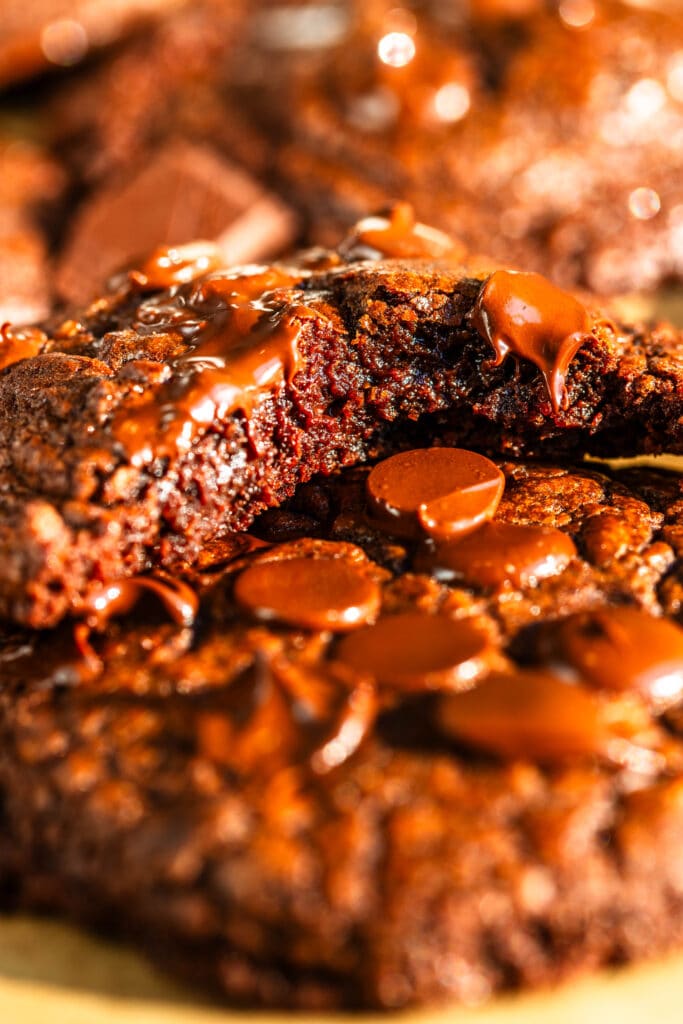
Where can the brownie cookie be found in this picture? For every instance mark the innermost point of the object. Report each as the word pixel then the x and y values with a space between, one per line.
pixel 193 396
pixel 339 766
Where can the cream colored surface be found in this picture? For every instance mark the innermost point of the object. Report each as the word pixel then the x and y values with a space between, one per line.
pixel 50 972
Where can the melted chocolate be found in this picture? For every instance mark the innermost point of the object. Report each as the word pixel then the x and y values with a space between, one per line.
pixel 312 593
pixel 622 649
pixel 173 265
pixel 243 342
pixel 323 713
pixel 526 316
pixel 497 553
pixel 414 651
pixel 120 597
pixel 527 715
pixel 19 343
pixel 399 236
pixel 446 492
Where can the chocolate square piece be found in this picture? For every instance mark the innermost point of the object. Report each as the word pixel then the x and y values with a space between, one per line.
pixel 185 192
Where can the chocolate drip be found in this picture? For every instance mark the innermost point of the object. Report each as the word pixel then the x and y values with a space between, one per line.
pixel 526 316
pixel 243 342
pixel 120 596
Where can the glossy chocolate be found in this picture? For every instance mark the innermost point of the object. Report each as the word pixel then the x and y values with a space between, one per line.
pixel 175 264
pixel 531 714
pixel 525 316
pixel 120 597
pixel 414 651
pixel 499 553
pixel 310 593
pixel 398 235
pixel 19 343
pixel 622 648
pixel 447 492
pixel 242 343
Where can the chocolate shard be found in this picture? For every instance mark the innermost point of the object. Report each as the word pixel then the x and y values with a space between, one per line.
pixel 154 423
pixel 183 192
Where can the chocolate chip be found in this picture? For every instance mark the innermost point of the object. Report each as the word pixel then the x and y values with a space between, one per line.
pixel 622 648
pixel 529 714
pixel 416 651
pixel 445 491
pixel 497 553
pixel 311 593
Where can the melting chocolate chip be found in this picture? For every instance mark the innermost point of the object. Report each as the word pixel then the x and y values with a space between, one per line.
pixel 172 265
pixel 19 343
pixel 447 492
pixel 529 714
pixel 622 648
pixel 120 596
pixel 242 342
pixel 311 593
pixel 399 236
pixel 415 651
pixel 497 553
pixel 524 315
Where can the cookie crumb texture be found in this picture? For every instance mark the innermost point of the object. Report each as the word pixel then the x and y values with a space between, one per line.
pixel 265 817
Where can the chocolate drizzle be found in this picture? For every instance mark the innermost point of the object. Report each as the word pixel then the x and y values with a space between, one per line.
pixel 526 316
pixel 243 338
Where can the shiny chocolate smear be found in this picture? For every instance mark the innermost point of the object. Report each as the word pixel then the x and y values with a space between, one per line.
pixel 530 714
pixel 399 236
pixel 524 315
pixel 623 648
pixel 173 265
pixel 120 596
pixel 19 343
pixel 499 553
pixel 310 593
pixel 447 492
pixel 413 651
pixel 242 330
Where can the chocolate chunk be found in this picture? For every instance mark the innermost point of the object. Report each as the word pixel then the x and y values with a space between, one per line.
pixel 499 553
pixel 447 492
pixel 526 715
pixel 314 593
pixel 622 648
pixel 415 651
pixel 526 316
pixel 185 192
